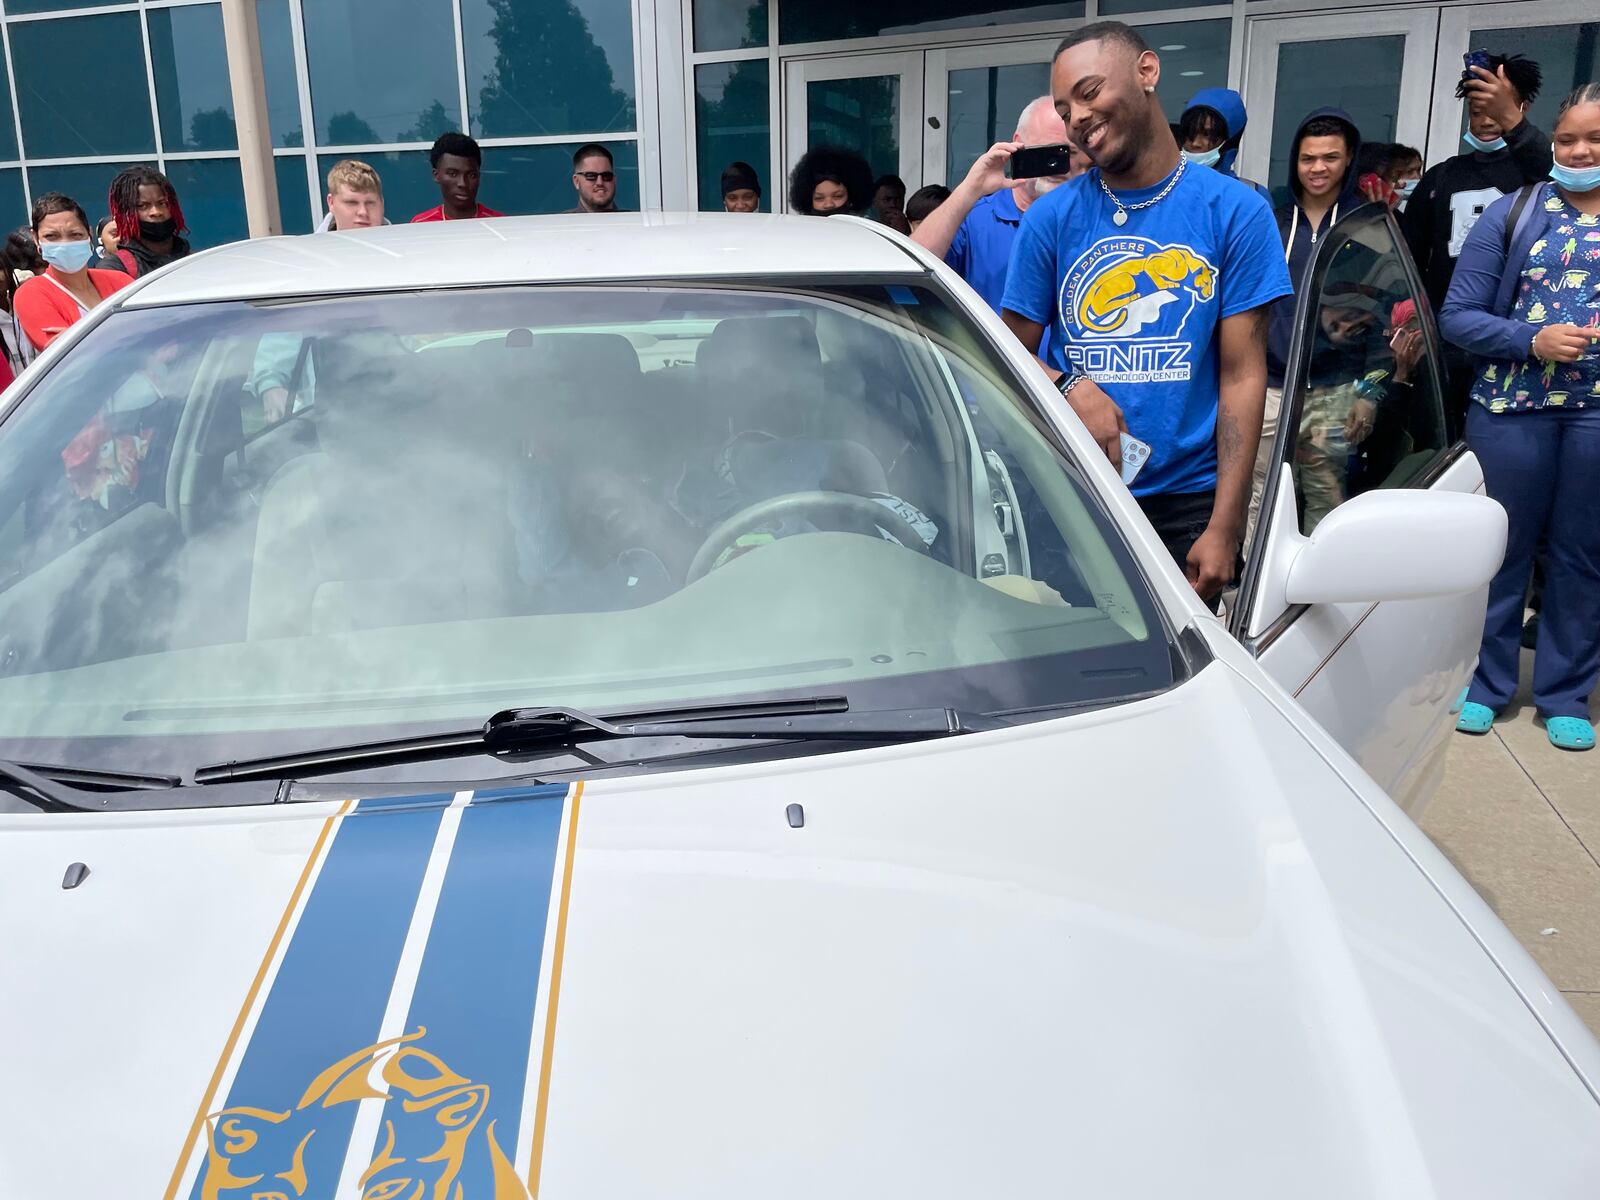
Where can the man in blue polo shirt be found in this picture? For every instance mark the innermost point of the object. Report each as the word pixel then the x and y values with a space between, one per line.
pixel 974 229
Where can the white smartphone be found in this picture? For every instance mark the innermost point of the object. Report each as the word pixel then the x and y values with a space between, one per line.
pixel 1134 455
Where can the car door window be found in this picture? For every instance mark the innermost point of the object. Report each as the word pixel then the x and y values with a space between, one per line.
pixel 1369 412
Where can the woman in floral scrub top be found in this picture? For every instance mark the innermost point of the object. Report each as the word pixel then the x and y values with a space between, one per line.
pixel 1535 427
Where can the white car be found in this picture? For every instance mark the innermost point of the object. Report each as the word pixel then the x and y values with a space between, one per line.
pixel 675 706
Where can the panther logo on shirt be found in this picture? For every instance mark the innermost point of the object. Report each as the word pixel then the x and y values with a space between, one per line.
pixel 1124 305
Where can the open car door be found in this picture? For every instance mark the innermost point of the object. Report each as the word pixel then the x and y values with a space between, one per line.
pixel 1362 410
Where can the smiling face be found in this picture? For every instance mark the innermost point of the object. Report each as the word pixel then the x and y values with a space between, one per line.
pixel 741 200
pixel 828 197
pixel 1099 90
pixel 1321 165
pixel 1577 137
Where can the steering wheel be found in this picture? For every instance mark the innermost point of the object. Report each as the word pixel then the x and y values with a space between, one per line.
pixel 810 505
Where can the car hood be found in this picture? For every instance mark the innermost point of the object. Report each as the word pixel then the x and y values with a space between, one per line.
pixel 1157 950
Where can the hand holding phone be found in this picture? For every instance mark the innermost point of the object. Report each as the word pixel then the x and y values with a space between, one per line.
pixel 1034 162
pixel 1134 455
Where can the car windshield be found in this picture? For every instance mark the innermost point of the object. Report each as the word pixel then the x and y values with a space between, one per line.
pixel 236 529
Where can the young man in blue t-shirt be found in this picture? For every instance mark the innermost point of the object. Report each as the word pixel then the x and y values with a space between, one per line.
pixel 1154 281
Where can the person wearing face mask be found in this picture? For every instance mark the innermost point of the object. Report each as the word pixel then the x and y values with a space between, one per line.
pixel 1526 300
pixel 1210 130
pixel 829 180
pixel 48 304
pixel 149 220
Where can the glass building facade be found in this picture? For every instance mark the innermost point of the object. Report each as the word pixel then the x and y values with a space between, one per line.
pixel 93 87
pixel 680 88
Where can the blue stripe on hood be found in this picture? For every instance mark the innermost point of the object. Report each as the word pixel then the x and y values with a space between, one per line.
pixel 1228 105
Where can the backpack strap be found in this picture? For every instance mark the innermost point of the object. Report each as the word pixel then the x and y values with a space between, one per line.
pixel 129 263
pixel 1521 215
pixel 1515 218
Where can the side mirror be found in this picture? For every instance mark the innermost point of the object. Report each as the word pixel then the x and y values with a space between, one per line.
pixel 1397 545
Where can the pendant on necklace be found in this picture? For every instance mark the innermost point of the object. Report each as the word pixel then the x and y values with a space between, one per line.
pixel 1120 217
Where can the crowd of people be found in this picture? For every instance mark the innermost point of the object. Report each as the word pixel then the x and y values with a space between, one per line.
pixel 1157 289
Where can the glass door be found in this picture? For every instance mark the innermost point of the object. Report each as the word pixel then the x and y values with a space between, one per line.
pixel 1562 36
pixel 1377 66
pixel 869 103
pixel 974 96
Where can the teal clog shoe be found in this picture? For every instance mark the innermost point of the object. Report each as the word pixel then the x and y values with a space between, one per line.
pixel 1570 733
pixel 1475 718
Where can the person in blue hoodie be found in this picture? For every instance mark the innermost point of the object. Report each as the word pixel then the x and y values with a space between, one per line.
pixel 1322 179
pixel 1210 130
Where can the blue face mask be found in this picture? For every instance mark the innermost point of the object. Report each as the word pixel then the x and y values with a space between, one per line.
pixel 1204 158
pixel 70 257
pixel 1482 146
pixel 1575 179
pixel 1406 187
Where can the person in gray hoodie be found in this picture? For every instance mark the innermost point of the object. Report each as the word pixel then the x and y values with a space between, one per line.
pixel 1322 179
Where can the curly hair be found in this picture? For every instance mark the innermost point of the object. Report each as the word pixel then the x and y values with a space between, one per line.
pixel 124 200
pixel 834 164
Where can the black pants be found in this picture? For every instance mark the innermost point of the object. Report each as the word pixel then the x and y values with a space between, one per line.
pixel 1179 519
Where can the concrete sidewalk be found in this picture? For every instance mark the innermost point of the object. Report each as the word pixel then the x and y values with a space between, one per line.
pixel 1521 820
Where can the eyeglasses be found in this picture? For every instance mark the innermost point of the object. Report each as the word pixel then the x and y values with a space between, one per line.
pixel 598 176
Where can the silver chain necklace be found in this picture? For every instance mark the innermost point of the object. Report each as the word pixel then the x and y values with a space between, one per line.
pixel 1120 217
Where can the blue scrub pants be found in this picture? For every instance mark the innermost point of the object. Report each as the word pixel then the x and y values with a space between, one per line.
pixel 1544 467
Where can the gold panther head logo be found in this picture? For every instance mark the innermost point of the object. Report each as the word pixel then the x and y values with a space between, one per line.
pixel 260 1153
pixel 1128 295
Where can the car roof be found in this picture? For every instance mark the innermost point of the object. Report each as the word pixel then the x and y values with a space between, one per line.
pixel 549 249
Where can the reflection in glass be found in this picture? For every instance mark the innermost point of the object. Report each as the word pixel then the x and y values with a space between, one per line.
pixel 12 203
pixel 801 22
pixel 729 24
pixel 1371 415
pixel 862 115
pixel 212 193
pixel 190 62
pixel 983 107
pixel 408 186
pixel 294 198
pixel 36 6
pixel 1569 55
pixel 538 179
pixel 62 117
pixel 8 126
pixel 732 124
pixel 382 70
pixel 277 62
pixel 87 183
pixel 1194 55
pixel 538 67
pixel 1311 72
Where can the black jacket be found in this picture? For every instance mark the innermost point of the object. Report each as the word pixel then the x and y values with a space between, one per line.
pixel 1454 193
pixel 1299 239
pixel 146 259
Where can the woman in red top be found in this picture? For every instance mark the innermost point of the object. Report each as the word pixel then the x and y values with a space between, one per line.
pixel 47 304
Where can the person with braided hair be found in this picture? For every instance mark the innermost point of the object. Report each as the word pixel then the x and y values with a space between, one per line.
pixel 149 221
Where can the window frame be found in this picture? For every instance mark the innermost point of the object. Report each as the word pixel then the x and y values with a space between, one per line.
pixel 1309 293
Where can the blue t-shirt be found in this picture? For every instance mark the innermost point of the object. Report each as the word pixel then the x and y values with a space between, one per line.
pixel 1135 307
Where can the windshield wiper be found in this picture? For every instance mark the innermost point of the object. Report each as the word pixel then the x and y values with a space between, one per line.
pixel 59 789
pixel 522 731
